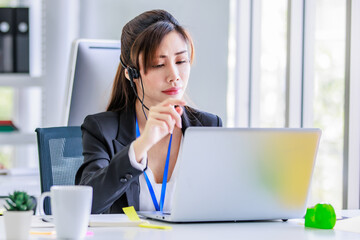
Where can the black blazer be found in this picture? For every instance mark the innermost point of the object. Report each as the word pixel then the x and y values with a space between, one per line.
pixel 106 140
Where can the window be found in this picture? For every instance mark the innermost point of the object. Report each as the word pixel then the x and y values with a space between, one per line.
pixel 317 70
pixel 328 110
pixel 271 109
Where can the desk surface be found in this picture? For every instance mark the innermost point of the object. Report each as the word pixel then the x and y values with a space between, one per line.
pixel 292 229
pixel 223 231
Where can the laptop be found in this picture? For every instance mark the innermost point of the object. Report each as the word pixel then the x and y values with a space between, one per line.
pixel 242 174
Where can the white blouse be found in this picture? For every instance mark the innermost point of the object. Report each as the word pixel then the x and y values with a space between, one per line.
pixel 146 203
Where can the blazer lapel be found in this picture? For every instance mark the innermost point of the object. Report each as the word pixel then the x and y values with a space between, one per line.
pixel 189 119
pixel 126 129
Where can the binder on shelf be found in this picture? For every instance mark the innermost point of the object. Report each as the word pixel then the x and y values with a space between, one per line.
pixel 7 40
pixel 21 42
pixel 7 126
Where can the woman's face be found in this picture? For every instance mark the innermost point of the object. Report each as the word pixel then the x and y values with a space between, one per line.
pixel 168 74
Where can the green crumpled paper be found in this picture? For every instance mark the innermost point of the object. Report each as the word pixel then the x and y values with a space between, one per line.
pixel 321 216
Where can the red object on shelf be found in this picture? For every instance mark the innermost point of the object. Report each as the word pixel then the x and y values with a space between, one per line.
pixel 8 122
pixel 7 126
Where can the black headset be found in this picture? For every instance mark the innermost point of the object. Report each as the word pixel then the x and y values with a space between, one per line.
pixel 135 74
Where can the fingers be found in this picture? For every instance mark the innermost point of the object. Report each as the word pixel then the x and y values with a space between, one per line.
pixel 170 112
pixel 170 107
pixel 161 121
pixel 164 121
pixel 179 110
pixel 173 102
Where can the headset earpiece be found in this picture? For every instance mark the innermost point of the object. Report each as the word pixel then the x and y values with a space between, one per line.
pixel 133 73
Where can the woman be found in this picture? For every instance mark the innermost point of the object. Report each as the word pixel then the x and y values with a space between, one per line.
pixel 127 147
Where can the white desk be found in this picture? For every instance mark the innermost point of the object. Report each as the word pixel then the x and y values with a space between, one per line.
pixel 220 231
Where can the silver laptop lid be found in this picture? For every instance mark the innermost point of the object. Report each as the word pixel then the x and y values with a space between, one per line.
pixel 230 174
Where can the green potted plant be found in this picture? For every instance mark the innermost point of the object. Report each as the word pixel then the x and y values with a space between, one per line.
pixel 17 217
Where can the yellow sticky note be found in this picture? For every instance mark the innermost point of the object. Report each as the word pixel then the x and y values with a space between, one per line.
pixel 42 233
pixel 131 213
pixel 148 225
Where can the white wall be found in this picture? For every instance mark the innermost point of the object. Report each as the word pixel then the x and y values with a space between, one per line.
pixel 207 21
pixel 60 21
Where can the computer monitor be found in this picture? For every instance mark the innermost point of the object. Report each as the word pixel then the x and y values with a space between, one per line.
pixel 93 65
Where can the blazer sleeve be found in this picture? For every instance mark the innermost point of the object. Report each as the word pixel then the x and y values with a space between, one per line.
pixel 109 175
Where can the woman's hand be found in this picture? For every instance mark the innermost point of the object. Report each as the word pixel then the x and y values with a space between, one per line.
pixel 161 121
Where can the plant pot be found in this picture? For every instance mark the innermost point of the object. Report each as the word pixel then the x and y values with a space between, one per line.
pixel 17 224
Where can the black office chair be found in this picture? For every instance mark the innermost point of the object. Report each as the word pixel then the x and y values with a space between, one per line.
pixel 60 156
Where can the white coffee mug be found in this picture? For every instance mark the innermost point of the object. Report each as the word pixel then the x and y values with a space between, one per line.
pixel 71 208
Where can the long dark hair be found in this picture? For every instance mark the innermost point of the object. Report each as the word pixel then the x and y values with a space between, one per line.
pixel 143 35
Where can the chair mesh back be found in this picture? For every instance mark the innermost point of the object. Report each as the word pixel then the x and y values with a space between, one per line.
pixel 60 156
pixel 65 159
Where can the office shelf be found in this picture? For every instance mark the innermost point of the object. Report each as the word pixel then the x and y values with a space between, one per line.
pixel 17 138
pixel 19 80
pixel 18 149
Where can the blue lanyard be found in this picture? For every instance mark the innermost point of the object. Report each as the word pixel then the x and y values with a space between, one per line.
pixel 166 170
